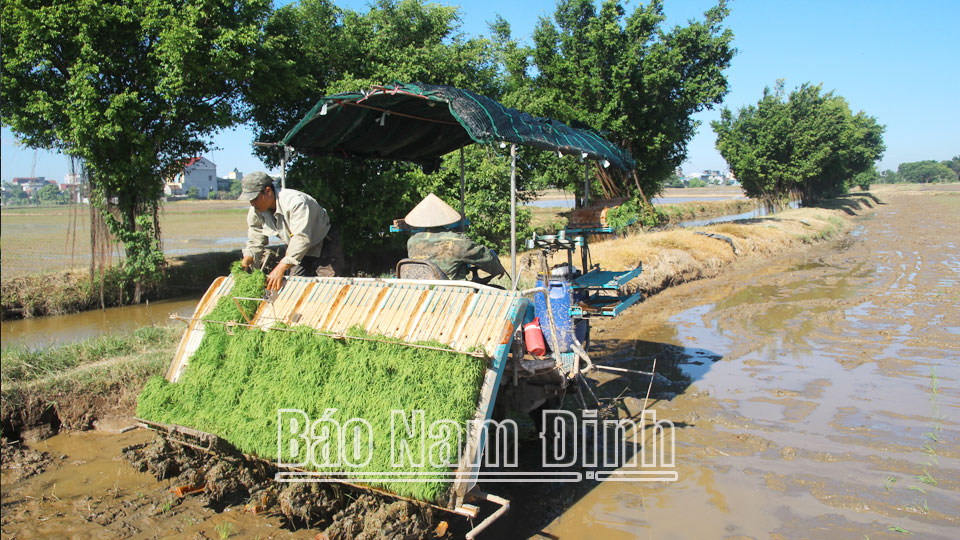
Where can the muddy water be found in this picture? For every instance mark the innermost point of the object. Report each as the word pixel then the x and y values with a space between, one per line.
pixel 89 491
pixel 45 331
pixel 823 396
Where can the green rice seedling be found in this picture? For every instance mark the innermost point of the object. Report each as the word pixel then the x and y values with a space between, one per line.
pixel 247 285
pixel 224 529
pixel 889 483
pixel 236 383
pixel 894 528
pixel 926 478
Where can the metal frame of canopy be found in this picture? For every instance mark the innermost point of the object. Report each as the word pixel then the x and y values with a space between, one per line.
pixel 543 133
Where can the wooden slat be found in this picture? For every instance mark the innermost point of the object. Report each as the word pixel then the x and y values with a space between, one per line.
pixel 460 317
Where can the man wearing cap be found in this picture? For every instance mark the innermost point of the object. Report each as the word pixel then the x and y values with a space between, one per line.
pixel 453 252
pixel 313 248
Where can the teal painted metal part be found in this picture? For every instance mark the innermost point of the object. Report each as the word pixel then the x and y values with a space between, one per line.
pixel 606 279
pixel 609 306
pixel 589 230
pixel 518 311
pixel 566 361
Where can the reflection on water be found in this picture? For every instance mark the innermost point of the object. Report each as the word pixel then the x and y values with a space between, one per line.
pixel 44 331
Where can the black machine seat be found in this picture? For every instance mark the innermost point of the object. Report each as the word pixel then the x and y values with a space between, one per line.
pixel 419 269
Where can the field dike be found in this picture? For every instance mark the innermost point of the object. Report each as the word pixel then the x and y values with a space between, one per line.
pixel 677 256
pixel 81 386
pixel 59 293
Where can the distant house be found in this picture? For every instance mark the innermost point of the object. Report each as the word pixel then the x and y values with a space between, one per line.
pixel 73 186
pixel 712 177
pixel 31 183
pixel 198 172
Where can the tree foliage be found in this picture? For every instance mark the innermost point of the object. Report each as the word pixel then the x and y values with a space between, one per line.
pixel 626 74
pixel 49 193
pixel 808 143
pixel 131 88
pixel 923 172
pixel 317 49
pixel 953 165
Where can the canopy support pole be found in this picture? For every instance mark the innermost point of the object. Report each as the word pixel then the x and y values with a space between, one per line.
pixel 283 167
pixel 513 215
pixel 586 184
pixel 463 214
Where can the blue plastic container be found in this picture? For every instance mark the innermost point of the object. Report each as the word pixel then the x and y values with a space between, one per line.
pixel 566 327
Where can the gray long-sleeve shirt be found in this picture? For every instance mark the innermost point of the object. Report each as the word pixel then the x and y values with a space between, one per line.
pixel 299 221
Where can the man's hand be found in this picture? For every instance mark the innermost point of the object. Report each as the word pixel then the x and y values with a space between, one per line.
pixel 246 263
pixel 275 279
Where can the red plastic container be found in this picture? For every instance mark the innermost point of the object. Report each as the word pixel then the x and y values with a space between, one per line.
pixel 533 337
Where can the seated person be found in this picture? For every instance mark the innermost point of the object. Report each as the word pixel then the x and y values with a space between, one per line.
pixel 452 251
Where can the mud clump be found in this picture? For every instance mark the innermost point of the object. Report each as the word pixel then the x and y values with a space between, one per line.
pixel 369 518
pixel 337 510
pixel 23 462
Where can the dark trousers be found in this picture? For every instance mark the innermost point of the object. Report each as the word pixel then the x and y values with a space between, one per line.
pixel 330 263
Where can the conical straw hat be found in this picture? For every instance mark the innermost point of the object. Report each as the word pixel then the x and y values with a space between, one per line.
pixel 432 212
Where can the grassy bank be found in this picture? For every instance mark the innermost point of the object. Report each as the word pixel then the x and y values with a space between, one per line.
pixel 63 292
pixel 73 385
pixel 549 220
pixel 674 256
pixel 680 255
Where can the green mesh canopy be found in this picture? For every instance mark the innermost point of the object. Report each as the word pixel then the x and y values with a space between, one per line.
pixel 421 122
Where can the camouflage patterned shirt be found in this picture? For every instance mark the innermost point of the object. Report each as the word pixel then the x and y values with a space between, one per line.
pixel 454 253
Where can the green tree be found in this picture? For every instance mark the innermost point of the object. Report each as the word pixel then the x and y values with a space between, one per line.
pixel 923 172
pixel 131 88
pixel 16 194
pixel 192 192
pixel 235 189
pixel 319 49
pixel 954 165
pixel 889 177
pixel 49 193
pixel 625 74
pixel 808 143
pixel 865 178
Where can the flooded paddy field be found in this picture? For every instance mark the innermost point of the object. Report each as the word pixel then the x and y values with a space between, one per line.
pixel 48 239
pixel 815 395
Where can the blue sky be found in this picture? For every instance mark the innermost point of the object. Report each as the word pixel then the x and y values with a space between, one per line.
pixel 896 61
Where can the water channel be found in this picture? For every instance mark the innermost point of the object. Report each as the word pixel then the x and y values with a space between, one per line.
pixel 46 331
